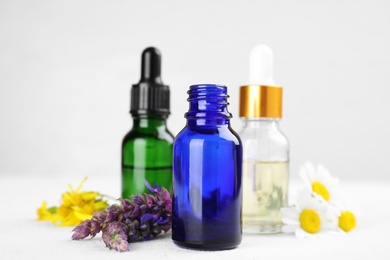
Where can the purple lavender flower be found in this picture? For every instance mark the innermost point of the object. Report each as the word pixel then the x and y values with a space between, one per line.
pixel 85 229
pixel 133 233
pixel 167 198
pixel 132 212
pixel 115 209
pixel 140 217
pixel 82 230
pixel 149 200
pixel 126 204
pixel 147 216
pixel 115 236
pixel 120 245
pixel 153 190
pixel 95 228
pixel 139 199
pixel 145 230
pixel 100 216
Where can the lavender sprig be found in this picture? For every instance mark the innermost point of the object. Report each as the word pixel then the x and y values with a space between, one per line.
pixel 141 217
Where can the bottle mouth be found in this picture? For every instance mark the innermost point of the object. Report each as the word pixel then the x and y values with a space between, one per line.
pixel 208 100
pixel 203 86
pixel 207 91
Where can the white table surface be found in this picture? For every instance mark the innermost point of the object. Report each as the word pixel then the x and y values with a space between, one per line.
pixel 22 237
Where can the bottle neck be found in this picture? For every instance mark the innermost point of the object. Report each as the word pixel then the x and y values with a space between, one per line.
pixel 145 122
pixel 207 122
pixel 208 106
pixel 261 122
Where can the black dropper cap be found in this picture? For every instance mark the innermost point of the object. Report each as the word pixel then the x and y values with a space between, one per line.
pixel 150 96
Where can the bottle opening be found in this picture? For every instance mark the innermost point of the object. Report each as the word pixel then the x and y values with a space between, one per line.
pixel 208 100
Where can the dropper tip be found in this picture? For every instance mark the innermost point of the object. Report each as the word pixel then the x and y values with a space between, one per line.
pixel 151 66
pixel 261 66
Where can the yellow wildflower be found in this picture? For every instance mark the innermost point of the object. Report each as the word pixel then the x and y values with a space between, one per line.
pixel 76 206
pixel 44 213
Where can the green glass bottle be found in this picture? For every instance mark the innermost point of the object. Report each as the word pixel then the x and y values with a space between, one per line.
pixel 147 148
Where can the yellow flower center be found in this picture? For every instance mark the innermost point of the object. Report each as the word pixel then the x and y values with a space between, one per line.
pixel 310 221
pixel 321 190
pixel 347 221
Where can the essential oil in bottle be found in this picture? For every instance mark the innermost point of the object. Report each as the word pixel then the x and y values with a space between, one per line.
pixel 265 148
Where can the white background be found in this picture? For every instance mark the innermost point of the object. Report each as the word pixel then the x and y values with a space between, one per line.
pixel 66 68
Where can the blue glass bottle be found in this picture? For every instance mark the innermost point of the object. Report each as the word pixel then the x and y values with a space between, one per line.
pixel 207 161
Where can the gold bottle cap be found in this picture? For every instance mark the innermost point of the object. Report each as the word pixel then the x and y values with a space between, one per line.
pixel 261 101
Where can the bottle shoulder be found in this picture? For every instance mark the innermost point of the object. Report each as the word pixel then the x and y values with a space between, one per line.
pixel 136 134
pixel 264 135
pixel 208 134
pixel 265 145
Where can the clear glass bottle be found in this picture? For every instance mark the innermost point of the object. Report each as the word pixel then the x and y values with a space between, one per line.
pixel 265 148
pixel 207 153
pixel 147 148
pixel 265 175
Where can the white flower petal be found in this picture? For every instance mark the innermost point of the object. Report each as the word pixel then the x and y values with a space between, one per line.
pixel 319 200
pixel 311 170
pixel 327 177
pixel 303 199
pixel 290 221
pixel 289 228
pixel 300 233
pixel 322 171
pixel 337 201
pixel 303 172
pixel 331 224
pixel 338 231
pixel 334 210
pixel 304 177
pixel 328 211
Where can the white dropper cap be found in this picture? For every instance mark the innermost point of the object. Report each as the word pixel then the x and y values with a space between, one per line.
pixel 261 66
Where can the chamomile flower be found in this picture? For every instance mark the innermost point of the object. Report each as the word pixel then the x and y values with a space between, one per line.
pixel 322 185
pixel 309 216
pixel 346 221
